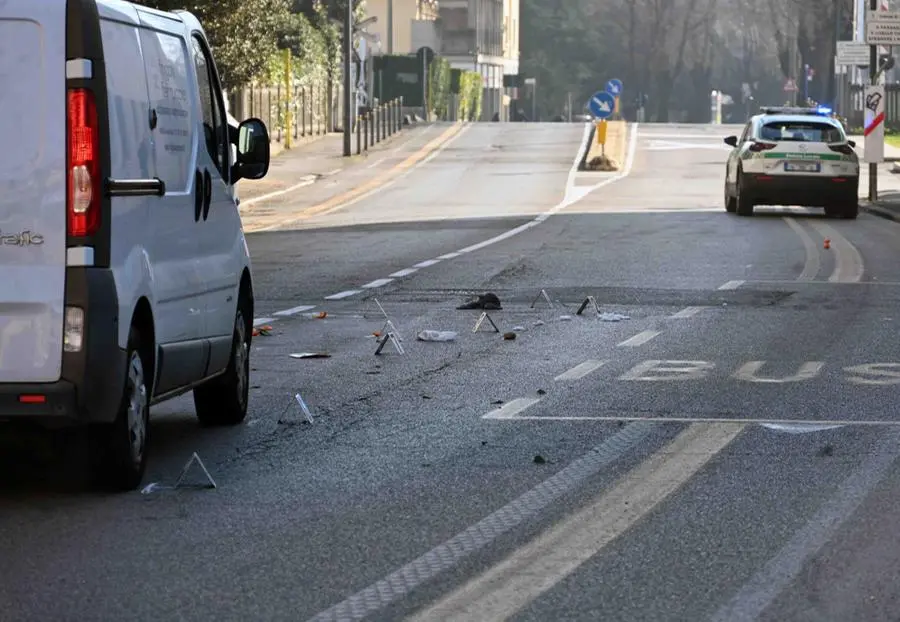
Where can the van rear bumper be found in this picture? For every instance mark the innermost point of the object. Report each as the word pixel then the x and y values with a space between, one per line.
pixel 90 387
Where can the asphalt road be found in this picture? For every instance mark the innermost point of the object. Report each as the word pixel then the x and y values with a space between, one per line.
pixel 725 451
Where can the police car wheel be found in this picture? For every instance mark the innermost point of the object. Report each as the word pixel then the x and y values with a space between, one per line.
pixel 743 204
pixel 730 201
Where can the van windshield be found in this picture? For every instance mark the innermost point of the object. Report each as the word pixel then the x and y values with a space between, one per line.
pixel 801 131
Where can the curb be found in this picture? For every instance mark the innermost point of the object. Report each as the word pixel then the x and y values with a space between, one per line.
pixel 877 210
pixel 582 164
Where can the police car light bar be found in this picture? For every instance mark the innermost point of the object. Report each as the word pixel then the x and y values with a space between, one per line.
pixel 821 111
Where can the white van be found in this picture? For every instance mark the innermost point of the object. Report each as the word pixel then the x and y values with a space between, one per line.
pixel 124 273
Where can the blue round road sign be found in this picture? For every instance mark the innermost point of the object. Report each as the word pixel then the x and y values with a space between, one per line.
pixel 614 87
pixel 602 105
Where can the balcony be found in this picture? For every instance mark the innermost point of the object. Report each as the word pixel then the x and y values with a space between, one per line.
pixel 458 42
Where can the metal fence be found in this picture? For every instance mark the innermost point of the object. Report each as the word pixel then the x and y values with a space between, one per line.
pixel 851 105
pixel 305 111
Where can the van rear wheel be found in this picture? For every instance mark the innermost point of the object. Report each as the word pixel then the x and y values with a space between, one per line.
pixel 223 400
pixel 121 450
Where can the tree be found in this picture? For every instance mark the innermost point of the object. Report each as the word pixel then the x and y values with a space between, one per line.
pixel 243 34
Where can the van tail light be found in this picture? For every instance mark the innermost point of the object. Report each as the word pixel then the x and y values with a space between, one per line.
pixel 83 166
pixel 845 149
pixel 761 146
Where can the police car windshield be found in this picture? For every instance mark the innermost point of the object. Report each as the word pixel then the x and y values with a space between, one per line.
pixel 801 131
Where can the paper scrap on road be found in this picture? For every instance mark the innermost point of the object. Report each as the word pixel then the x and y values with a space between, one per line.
pixel 613 317
pixel 310 355
pixel 436 335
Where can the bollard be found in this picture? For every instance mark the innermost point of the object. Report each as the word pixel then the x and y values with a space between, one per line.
pixel 366 132
pixel 384 117
pixel 358 135
pixel 390 119
pixel 401 112
pixel 372 127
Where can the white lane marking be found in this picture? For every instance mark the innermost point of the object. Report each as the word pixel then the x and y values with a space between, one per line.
pixel 427 263
pixel 333 171
pixel 294 310
pixel 309 180
pixel 511 408
pixel 380 188
pixel 405 272
pixel 885 374
pixel 749 370
pixel 813 263
pixel 259 321
pixel 449 256
pixel 343 294
pixel 449 554
pixel 639 339
pixel 848 263
pixel 581 370
pixel 505 589
pixel 731 285
pixel 650 135
pixel 658 370
pixel 377 283
pixel 772 579
pixel 376 163
pixel 687 312
pixel 691 419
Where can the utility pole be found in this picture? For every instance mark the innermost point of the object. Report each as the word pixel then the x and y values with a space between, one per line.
pixel 873 76
pixel 390 26
pixel 348 82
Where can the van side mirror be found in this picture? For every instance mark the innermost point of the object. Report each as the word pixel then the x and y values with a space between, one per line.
pixel 852 144
pixel 252 151
pixel 731 141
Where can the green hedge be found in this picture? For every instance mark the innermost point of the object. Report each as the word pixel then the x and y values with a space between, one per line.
pixel 439 87
pixel 470 90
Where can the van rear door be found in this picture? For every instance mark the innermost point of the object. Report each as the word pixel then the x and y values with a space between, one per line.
pixel 32 189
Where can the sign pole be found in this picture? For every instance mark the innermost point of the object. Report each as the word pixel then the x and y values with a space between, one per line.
pixel 873 77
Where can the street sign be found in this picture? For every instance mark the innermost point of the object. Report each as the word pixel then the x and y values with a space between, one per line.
pixel 790 86
pixel 614 87
pixel 852 53
pixel 874 124
pixel 602 105
pixel 883 27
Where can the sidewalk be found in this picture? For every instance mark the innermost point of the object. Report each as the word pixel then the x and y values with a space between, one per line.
pixel 312 160
pixel 888 203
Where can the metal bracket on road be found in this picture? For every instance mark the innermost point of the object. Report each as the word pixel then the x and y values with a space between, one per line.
pixel 380 309
pixel 210 482
pixel 485 316
pixel 543 295
pixel 590 300
pixel 389 333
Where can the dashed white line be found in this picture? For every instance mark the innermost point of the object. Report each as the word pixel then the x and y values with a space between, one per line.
pixel 309 180
pixel 639 339
pixel 405 272
pixel 343 294
pixel 580 371
pixel 262 320
pixel 449 256
pixel 512 408
pixel 427 263
pixel 687 312
pixel 294 310
pixel 377 283
pixel 376 163
pixel 731 285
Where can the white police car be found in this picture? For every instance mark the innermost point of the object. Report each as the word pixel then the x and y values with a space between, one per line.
pixel 792 156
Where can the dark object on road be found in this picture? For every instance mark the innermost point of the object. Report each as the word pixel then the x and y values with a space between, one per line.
pixel 539 459
pixel 487 302
pixel 509 336
pixel 541 392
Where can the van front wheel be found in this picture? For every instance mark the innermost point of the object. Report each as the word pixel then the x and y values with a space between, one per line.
pixel 223 400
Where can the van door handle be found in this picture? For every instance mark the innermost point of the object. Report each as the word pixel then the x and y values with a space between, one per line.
pixel 207 192
pixel 199 194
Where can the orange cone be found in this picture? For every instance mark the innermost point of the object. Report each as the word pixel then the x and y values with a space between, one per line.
pixel 827 243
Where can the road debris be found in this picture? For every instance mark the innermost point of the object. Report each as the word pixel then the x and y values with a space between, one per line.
pixel 310 355
pixel 613 317
pixel 509 336
pixel 262 331
pixel 436 335
pixel 485 302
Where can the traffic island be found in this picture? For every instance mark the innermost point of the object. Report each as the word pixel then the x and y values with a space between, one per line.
pixel 608 157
